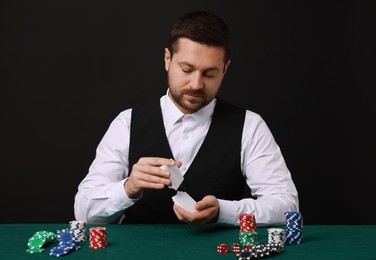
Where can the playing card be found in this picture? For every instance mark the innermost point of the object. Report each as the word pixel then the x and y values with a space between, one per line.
pixel 185 201
pixel 176 176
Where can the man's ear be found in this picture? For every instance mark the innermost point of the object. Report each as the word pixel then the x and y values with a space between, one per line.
pixel 167 59
pixel 226 67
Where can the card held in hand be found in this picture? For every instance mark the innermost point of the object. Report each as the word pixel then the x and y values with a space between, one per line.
pixel 176 176
pixel 185 201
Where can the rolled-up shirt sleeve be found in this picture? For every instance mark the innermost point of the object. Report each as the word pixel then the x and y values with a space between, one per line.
pixel 266 174
pixel 101 197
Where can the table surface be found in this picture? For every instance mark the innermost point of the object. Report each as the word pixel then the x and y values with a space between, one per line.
pixel 193 242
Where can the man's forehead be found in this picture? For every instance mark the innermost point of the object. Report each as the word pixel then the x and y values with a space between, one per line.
pixel 195 54
pixel 184 44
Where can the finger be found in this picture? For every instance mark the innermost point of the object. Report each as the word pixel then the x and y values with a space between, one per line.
pixel 143 171
pixel 179 163
pixel 207 202
pixel 188 217
pixel 157 161
pixel 149 178
pixel 177 210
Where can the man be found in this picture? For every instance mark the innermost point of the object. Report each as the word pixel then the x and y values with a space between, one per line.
pixel 230 161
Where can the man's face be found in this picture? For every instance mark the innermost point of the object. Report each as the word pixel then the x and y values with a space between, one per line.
pixel 195 74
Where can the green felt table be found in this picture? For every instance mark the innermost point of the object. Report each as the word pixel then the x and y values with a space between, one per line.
pixel 192 242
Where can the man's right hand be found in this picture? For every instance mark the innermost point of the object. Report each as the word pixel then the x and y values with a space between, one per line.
pixel 147 174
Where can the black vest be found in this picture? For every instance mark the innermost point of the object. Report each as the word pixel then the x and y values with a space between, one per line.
pixel 214 171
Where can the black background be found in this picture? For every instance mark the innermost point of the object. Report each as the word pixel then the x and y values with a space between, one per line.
pixel 68 68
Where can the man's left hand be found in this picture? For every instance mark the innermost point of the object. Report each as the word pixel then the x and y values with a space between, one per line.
pixel 207 211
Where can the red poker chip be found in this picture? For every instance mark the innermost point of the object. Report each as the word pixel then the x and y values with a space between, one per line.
pixel 98 237
pixel 247 223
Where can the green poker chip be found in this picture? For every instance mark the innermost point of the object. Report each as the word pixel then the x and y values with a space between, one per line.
pixel 35 250
pixel 38 240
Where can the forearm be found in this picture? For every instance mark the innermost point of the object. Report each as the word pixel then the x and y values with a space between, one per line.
pixel 101 204
pixel 268 210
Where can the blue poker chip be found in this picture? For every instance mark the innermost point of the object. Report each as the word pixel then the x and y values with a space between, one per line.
pixel 65 235
pixel 68 245
pixel 60 250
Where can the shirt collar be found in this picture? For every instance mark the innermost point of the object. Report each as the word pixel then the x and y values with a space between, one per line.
pixel 171 114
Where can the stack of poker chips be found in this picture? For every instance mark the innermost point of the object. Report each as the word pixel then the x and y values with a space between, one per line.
pixel 294 227
pixel 98 237
pixel 277 236
pixel 38 240
pixel 66 244
pixel 79 230
pixel 248 234
pixel 260 251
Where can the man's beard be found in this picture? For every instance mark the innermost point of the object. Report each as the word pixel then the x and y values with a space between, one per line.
pixel 191 107
pixel 179 99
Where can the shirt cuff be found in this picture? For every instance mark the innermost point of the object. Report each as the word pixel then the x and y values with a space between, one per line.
pixel 228 212
pixel 120 198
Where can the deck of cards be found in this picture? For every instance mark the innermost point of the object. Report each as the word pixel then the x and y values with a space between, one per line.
pixel 182 198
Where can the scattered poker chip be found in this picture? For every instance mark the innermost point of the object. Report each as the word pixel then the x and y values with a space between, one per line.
pixel 66 243
pixel 38 240
pixel 65 236
pixel 34 250
pixel 60 250
pixel 260 251
pixel 66 239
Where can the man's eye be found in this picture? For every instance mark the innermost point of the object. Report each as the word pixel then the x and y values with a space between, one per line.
pixel 186 71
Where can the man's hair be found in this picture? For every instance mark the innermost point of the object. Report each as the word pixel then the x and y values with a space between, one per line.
pixel 202 27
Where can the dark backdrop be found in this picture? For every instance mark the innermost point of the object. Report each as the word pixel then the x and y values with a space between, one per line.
pixel 69 67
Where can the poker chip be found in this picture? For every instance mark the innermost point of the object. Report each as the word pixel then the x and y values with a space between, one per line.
pixel 66 243
pixel 248 238
pixel 34 250
pixel 38 240
pixel 247 222
pixel 247 234
pixel 65 236
pixel 277 235
pixel 60 250
pixel 79 230
pixel 97 237
pixel 260 251
pixel 294 227
pixel 66 239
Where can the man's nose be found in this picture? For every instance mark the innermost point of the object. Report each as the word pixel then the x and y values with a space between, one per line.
pixel 197 81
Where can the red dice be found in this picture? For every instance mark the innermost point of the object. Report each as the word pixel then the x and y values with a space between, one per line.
pixel 222 248
pixel 235 248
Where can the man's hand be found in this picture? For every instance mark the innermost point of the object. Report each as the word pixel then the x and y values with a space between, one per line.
pixel 207 211
pixel 147 174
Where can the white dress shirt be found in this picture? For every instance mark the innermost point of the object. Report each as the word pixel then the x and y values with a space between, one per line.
pixel 101 197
